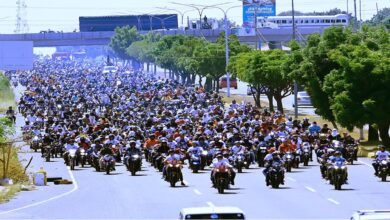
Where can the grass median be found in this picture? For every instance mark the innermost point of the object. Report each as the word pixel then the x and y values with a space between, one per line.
pixel 10 166
pixel 7 97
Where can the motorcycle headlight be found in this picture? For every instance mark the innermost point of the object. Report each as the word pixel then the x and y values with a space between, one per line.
pixel 35 138
pixel 135 156
pixel 342 167
pixel 204 153
pixel 288 156
pixel 384 162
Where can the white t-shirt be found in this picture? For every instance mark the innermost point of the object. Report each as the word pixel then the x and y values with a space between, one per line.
pixel 382 155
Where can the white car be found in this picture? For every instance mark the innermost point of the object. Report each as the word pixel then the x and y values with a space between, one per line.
pixel 371 215
pixel 108 69
pixel 212 213
pixel 303 99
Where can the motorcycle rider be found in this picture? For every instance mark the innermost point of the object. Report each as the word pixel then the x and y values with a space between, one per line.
pixel 131 150
pixel 69 146
pixel 380 155
pixel 334 159
pixel 220 160
pixel 275 159
pixel 173 157
pixel 107 150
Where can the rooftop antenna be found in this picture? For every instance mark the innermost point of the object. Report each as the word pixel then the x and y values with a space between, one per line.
pixel 21 17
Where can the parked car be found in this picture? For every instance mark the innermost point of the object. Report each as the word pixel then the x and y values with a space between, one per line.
pixel 223 82
pixel 371 214
pixel 303 99
pixel 212 213
pixel 249 90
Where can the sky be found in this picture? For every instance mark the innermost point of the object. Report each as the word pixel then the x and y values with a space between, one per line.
pixel 62 15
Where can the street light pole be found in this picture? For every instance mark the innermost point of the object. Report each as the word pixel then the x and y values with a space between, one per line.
pixel 295 83
pixel 178 11
pixel 226 45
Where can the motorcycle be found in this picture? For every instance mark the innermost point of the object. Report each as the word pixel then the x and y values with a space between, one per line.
pixel 195 163
pixel 72 158
pixel 83 157
pixel 289 160
pixel 221 178
pixel 36 143
pixel 159 161
pixel 261 153
pixel 173 170
pixel 275 174
pixel 297 158
pixel 203 159
pixel 306 153
pixel 94 160
pixel 383 170
pixel 47 153
pixel 134 163
pixel 239 162
pixel 350 153
pixel 338 175
pixel 106 164
pixel 117 153
pixel 323 167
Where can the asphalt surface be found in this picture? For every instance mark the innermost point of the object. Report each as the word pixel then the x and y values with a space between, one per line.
pixel 94 195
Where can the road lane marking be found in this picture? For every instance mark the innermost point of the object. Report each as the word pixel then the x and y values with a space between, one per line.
pixel 75 187
pixel 310 189
pixel 367 164
pixel 197 192
pixel 333 201
pixel 291 179
pixel 210 204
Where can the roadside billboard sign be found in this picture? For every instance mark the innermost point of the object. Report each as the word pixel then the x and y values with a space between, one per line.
pixel 261 8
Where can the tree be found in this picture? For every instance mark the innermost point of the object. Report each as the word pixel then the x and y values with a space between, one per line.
pixel 355 101
pixel 263 71
pixel 381 18
pixel 317 64
pixel 123 38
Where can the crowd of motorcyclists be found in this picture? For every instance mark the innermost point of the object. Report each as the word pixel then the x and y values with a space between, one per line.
pixel 75 110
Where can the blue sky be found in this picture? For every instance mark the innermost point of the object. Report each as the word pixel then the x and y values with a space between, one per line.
pixel 63 14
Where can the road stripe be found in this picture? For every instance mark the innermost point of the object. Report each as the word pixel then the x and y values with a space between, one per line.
pixel 310 189
pixel 75 187
pixel 291 179
pixel 197 192
pixel 210 204
pixel 367 164
pixel 333 201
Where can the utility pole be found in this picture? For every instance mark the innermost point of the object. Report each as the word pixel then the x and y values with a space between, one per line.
pixel 295 83
pixel 347 7
pixel 21 17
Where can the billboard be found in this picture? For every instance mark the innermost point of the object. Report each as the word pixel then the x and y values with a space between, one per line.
pixel 262 8
pixel 16 55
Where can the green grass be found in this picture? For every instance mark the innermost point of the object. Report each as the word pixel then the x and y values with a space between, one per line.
pixel 7 97
pixel 9 192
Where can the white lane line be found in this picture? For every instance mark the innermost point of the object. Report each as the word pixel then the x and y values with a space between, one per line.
pixel 367 164
pixel 197 192
pixel 210 204
pixel 75 187
pixel 310 189
pixel 291 179
pixel 333 201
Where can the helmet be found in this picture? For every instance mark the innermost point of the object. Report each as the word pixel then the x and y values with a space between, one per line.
pixel 381 147
pixel 337 153
pixel 335 132
pixel 275 154
pixel 219 156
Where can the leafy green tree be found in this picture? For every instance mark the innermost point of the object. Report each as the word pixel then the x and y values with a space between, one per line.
pixel 358 90
pixel 123 38
pixel 263 70
pixel 381 18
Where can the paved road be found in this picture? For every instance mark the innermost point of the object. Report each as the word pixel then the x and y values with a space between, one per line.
pixel 96 195
pixel 145 196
